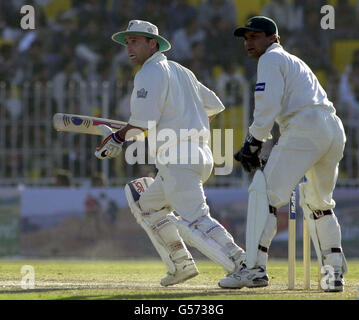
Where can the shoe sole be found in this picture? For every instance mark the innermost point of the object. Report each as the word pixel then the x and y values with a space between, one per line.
pixel 231 288
pixel 247 286
pixel 338 286
pixel 334 290
pixel 258 283
pixel 190 276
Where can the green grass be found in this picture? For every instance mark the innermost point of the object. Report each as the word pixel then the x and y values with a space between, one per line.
pixel 139 279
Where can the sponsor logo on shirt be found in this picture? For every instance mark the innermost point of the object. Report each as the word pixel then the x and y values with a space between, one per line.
pixel 142 93
pixel 260 86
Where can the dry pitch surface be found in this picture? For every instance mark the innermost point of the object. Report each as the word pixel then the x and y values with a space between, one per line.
pixel 139 279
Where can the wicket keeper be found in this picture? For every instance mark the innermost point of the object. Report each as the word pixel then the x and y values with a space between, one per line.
pixel 311 144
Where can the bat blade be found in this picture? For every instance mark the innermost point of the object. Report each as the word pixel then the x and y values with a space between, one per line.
pixel 84 124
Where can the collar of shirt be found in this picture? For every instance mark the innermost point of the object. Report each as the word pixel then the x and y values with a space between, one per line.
pixel 157 56
pixel 273 46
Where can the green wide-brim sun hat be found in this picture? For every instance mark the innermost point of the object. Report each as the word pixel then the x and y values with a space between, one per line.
pixel 143 28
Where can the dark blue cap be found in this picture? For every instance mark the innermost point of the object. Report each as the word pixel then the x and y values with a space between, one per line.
pixel 258 24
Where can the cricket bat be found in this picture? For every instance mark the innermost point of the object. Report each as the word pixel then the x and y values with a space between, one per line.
pixel 84 124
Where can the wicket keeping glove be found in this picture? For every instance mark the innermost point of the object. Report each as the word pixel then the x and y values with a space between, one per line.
pixel 248 155
pixel 111 146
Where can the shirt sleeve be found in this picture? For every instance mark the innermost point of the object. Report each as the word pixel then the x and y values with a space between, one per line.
pixel 268 96
pixel 212 104
pixel 148 96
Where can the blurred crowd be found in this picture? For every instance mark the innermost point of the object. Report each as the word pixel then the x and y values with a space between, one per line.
pixel 74 45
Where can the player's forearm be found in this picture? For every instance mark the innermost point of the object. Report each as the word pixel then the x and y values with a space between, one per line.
pixel 212 103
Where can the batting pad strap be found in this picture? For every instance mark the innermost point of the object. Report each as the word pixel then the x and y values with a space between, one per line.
pixel 273 210
pixel 317 214
pixel 195 222
pixel 210 230
pixel 263 249
pixel 332 250
pixel 175 246
pixel 156 227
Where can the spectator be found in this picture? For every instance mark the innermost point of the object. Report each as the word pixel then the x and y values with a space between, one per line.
pixel 154 9
pixel 8 63
pixel 288 15
pixel 98 180
pixel 184 38
pixel 211 8
pixel 120 13
pixel 40 76
pixel 62 80
pixel 316 42
pixel 9 24
pixel 217 40
pixel 92 219
pixel 90 44
pixel 345 20
pixel 101 83
pixel 125 90
pixel 62 178
pixel 230 85
pixel 64 39
pixel 177 13
pixel 296 19
pixel 91 10
pixel 49 51
pixel 109 208
pixel 35 56
pixel 200 64
pixel 349 89
pixel 349 111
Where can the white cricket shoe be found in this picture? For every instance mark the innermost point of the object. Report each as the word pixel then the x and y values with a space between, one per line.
pixel 244 277
pixel 185 270
pixel 334 283
pixel 239 261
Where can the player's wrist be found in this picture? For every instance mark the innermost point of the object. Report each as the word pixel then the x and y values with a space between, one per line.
pixel 117 138
pixel 253 141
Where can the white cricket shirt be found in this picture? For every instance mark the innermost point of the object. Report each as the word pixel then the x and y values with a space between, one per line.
pixel 285 85
pixel 170 94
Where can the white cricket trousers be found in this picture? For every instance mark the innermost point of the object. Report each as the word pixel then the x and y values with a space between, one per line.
pixel 311 145
pixel 179 187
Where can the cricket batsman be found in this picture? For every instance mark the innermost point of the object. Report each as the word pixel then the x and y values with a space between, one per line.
pixel 169 95
pixel 311 144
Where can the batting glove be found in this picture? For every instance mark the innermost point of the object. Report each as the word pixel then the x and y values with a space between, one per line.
pixel 111 146
pixel 248 155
